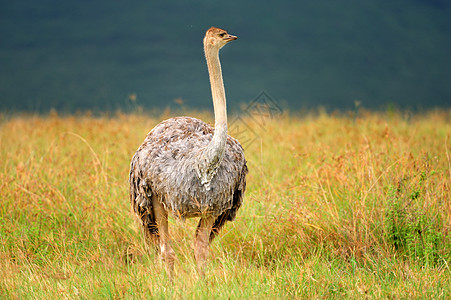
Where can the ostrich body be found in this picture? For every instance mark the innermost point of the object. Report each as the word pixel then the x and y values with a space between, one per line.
pixel 190 169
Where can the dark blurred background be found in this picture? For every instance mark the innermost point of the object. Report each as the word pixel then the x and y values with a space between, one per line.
pixel 107 55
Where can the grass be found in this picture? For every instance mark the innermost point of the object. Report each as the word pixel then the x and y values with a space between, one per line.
pixel 337 206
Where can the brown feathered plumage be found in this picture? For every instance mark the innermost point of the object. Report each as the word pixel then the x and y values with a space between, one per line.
pixel 190 169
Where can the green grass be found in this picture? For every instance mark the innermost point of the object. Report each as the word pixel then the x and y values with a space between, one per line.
pixel 337 206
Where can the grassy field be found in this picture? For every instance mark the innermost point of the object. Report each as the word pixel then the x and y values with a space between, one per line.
pixel 337 206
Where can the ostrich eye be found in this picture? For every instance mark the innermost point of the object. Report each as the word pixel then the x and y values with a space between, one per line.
pixel 222 34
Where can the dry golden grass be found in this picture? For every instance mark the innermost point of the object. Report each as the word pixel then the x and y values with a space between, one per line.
pixel 336 206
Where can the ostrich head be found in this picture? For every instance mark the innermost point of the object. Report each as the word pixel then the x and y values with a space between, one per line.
pixel 216 38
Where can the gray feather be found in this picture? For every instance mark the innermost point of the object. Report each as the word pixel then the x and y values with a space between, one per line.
pixel 170 165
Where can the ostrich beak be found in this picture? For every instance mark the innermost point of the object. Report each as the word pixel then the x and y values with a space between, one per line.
pixel 230 37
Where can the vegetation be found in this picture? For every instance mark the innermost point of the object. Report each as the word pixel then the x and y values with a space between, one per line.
pixel 337 206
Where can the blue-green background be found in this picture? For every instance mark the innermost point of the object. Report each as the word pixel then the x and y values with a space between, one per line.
pixel 78 55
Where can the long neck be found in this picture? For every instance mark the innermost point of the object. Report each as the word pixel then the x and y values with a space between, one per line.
pixel 217 86
pixel 212 155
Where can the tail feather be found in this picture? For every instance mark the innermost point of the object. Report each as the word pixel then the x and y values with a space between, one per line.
pixel 140 199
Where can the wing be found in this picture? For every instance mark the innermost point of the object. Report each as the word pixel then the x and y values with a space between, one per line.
pixel 230 214
pixel 160 139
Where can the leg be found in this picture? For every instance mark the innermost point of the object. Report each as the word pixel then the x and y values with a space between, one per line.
pixel 161 218
pixel 202 239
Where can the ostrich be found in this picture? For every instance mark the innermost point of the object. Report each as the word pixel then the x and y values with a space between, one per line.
pixel 190 169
